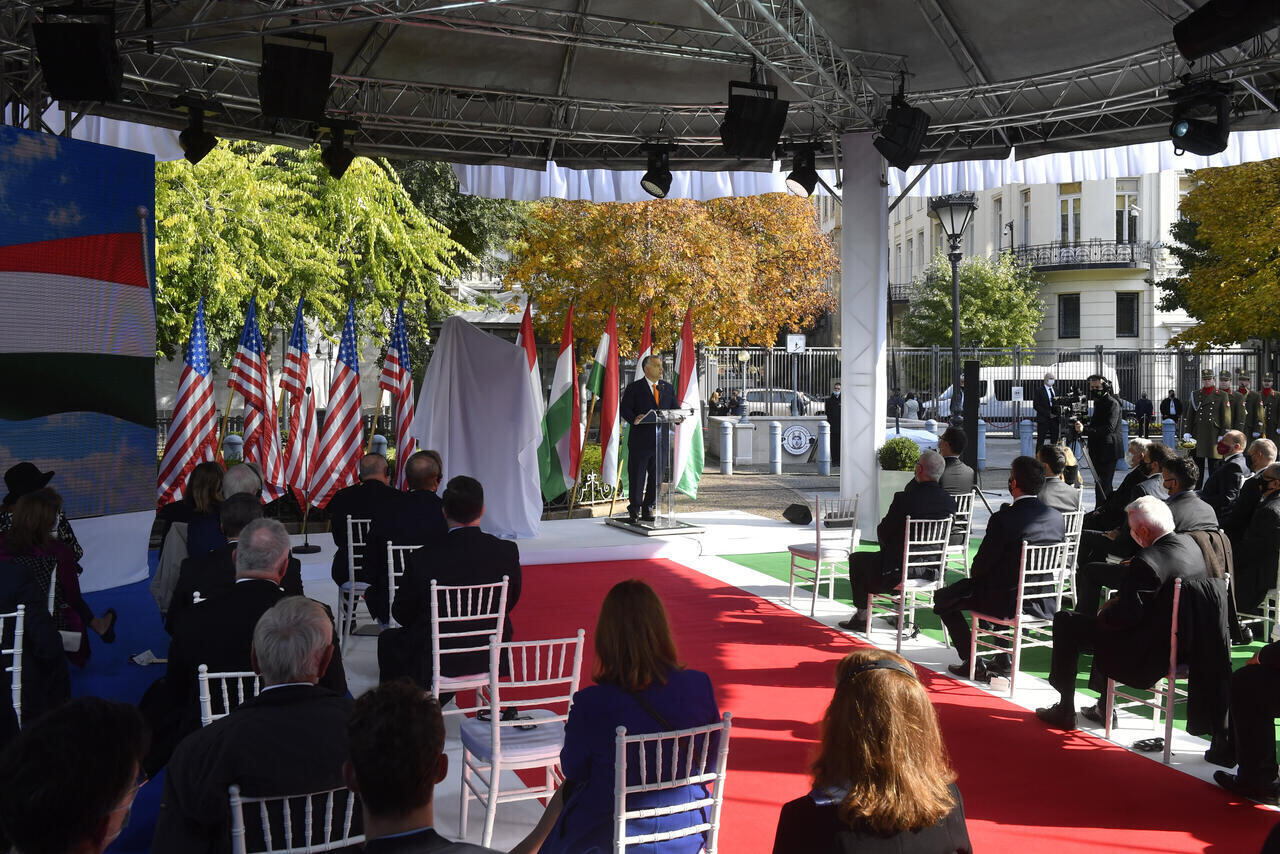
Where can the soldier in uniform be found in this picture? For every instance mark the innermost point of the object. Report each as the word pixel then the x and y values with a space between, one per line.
pixel 1210 417
pixel 1248 419
pixel 1270 410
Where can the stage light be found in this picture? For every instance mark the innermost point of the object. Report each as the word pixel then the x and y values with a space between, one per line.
pixel 194 140
pixel 1203 136
pixel 804 177
pixel 1219 24
pixel 336 156
pixel 657 179
pixel 752 122
pixel 902 133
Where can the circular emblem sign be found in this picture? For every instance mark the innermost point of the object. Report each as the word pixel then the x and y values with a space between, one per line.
pixel 797 439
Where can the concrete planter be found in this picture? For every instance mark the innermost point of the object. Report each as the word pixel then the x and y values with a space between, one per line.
pixel 890 483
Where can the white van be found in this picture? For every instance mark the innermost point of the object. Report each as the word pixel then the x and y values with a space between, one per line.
pixel 996 405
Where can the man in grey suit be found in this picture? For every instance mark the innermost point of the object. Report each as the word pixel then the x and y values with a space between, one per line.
pixel 1056 492
pixel 957 478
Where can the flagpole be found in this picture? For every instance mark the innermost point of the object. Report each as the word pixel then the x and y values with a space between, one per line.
pixel 618 481
pixel 222 433
pixel 377 410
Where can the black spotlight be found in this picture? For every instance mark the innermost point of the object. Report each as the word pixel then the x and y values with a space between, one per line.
pixel 902 133
pixel 336 156
pixel 1189 132
pixel 195 141
pixel 752 122
pixel 1219 24
pixel 657 180
pixel 804 177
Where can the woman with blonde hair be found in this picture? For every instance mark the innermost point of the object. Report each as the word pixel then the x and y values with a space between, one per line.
pixel 881 779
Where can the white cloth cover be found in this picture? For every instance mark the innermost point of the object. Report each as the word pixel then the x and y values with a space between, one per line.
pixel 115 549
pixel 476 411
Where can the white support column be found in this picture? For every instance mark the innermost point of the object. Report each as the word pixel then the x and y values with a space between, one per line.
pixel 864 285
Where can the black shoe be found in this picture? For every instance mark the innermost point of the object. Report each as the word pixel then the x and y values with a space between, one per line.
pixel 632 518
pixel 980 673
pixel 1058 716
pixel 1267 793
pixel 1245 637
pixel 1094 713
pixel 1223 754
pixel 999 667
pixel 646 515
pixel 109 635
pixel 857 620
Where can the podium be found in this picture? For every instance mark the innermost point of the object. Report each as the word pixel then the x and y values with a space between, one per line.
pixel 664 522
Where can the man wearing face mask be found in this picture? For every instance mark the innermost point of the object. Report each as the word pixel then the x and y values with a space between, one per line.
pixel 1102 435
pixel 1046 419
pixel 1270 410
pixel 1248 418
pixel 831 408
pixel 1223 486
pixel 1171 408
pixel 1209 418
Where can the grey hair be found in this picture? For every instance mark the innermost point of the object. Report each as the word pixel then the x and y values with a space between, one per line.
pixel 1264 446
pixel 290 639
pixel 1273 471
pixel 1150 512
pixel 1140 443
pixel 241 479
pixel 932 464
pixel 263 546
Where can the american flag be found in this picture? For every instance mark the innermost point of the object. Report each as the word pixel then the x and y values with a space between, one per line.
pixel 295 378
pixel 251 376
pixel 397 378
pixel 193 433
pixel 340 449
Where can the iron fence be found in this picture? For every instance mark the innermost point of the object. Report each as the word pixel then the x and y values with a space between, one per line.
pixel 1099 254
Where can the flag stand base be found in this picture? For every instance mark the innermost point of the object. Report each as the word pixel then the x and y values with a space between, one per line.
pixel 662 526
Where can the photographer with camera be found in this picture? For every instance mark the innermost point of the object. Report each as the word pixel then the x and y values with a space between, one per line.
pixel 1102 436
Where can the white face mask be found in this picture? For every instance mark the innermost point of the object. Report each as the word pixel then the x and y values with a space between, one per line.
pixel 1049 383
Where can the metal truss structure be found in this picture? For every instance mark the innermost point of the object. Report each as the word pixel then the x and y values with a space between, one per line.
pixel 211 47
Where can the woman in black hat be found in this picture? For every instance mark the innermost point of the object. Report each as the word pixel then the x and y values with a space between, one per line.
pixel 23 479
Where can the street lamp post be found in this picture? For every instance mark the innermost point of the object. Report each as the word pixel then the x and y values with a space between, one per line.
pixel 953 213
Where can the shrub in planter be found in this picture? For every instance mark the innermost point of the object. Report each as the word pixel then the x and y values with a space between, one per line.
pixel 899 454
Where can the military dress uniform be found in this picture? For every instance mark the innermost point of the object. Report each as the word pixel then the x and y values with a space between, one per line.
pixel 1270 410
pixel 1248 417
pixel 1210 417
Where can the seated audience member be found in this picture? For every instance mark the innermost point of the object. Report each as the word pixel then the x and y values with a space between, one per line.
pixel 290 739
pixel 415 520
pixel 957 478
pixel 465 555
pixel 1190 512
pixel 372 497
pixel 396 736
pixel 218 632
pixel 212 573
pixel 25 478
pixel 1056 493
pixel 1255 704
pixel 1223 484
pixel 880 571
pixel 30 542
pixel 1235 517
pixel 70 778
pixel 45 682
pixel 1258 548
pixel 641 685
pixel 1110 515
pixel 881 778
pixel 1129 635
pixel 200 497
pixel 992 585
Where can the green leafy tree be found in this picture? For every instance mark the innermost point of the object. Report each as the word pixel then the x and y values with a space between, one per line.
pixel 1190 252
pixel 1000 304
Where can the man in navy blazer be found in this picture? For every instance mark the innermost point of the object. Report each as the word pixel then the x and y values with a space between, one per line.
pixel 638 399
pixel 1223 485
pixel 992 587
pixel 415 520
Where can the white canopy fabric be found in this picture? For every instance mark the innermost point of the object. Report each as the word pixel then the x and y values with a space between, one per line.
pixel 475 410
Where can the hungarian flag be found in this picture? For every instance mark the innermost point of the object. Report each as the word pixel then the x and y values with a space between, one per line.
pixel 603 383
pixel 646 350
pixel 561 430
pixel 688 468
pixel 525 339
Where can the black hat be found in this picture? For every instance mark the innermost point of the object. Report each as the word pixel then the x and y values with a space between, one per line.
pixel 22 479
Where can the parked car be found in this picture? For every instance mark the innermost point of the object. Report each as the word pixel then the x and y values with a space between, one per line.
pixel 779 401
pixel 996 405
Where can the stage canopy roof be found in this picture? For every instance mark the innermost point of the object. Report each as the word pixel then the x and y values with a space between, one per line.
pixel 584 83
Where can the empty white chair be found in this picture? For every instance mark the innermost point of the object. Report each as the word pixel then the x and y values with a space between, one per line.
pixel 835 538
pixel 924 551
pixel 350 593
pixel 541 674
pixel 464 618
pixel 1041 577
pixel 11 625
pixel 232 687
pixel 318 821
pixel 664 761
pixel 1073 528
pixel 397 561
pixel 1270 611
pixel 958 553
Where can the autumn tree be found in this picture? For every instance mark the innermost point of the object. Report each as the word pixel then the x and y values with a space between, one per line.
pixel 1229 250
pixel 1000 304
pixel 749 267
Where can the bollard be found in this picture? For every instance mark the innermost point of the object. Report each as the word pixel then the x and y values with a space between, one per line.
pixel 378 444
pixel 931 426
pixel 1027 435
pixel 775 447
pixel 1169 432
pixel 982 445
pixel 232 447
pixel 1122 464
pixel 824 448
pixel 726 447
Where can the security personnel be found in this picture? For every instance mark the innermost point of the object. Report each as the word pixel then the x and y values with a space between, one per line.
pixel 1248 418
pixel 1270 410
pixel 1210 417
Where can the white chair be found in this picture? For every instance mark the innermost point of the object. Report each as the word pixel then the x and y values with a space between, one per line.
pixel 924 550
pixel 836 536
pixel 466 618
pixel 318 821
pixel 13 654
pixel 1073 527
pixel 663 761
pixel 352 591
pixel 231 687
pixel 397 560
pixel 1270 613
pixel 958 553
pixel 541 673
pixel 1165 694
pixel 1040 578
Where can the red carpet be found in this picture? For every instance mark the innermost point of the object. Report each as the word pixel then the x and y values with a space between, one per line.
pixel 1026 788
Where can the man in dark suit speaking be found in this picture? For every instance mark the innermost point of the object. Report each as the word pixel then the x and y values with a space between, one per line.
pixel 639 399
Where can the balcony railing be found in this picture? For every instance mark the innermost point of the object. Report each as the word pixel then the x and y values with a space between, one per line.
pixel 1088 254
